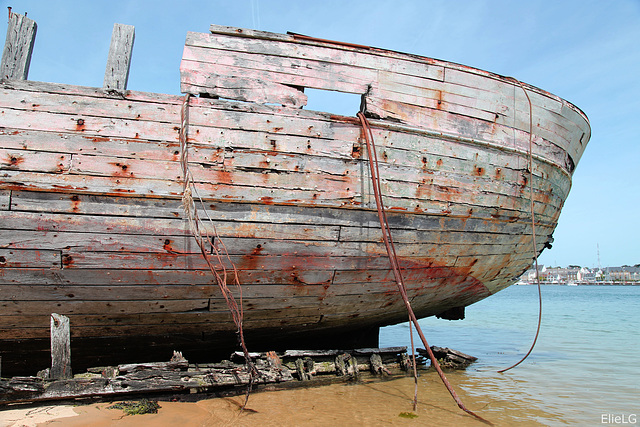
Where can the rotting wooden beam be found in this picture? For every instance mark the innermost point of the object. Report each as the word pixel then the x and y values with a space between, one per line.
pixel 60 347
pixel 178 375
pixel 16 56
pixel 119 61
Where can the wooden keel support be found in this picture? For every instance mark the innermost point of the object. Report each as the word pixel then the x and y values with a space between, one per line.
pixel 60 347
pixel 119 61
pixel 177 375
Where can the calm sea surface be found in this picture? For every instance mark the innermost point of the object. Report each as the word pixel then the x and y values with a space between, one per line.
pixel 585 369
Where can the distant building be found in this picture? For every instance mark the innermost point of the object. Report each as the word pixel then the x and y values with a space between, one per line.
pixel 586 275
pixel 529 276
pixel 559 275
pixel 622 274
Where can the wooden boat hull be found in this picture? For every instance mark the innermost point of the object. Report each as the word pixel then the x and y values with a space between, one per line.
pixel 92 225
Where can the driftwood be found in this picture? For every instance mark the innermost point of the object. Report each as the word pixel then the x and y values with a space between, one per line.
pixel 178 375
pixel 448 358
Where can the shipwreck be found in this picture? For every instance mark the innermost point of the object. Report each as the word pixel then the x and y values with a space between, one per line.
pixel 93 225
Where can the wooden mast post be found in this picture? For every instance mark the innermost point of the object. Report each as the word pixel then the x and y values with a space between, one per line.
pixel 119 60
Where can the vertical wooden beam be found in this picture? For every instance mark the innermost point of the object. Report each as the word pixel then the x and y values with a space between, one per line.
pixel 60 347
pixel 119 61
pixel 18 46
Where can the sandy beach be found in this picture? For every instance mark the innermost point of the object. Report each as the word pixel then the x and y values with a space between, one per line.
pixel 375 402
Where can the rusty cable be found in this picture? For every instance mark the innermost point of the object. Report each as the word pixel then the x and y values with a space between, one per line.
pixel 393 258
pixel 533 228
pixel 203 238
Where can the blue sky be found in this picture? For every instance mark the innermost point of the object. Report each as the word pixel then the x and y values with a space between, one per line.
pixel 584 51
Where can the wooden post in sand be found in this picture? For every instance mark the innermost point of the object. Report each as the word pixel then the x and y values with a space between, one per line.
pixel 60 347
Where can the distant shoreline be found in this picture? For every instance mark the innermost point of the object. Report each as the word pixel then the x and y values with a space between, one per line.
pixel 576 283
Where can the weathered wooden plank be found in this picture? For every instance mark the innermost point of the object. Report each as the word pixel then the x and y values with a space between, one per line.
pixel 467 127
pixel 261 161
pixel 74 284
pixel 39 161
pixel 95 204
pixel 436 155
pixel 73 143
pixel 497 89
pixel 541 100
pixel 178 375
pixel 153 323
pixel 333 180
pixel 45 97
pixel 164 227
pixel 268 308
pixel 90 125
pixel 60 347
pixel 504 103
pixel 269 141
pixel 111 307
pixel 256 170
pixel 198 62
pixel 180 364
pixel 166 101
pixel 149 380
pixel 138 129
pixel 255 295
pixel 119 60
pixel 95 268
pixel 5 200
pixel 159 208
pixel 326 52
pixel 166 251
pixel 153 244
pixel 16 258
pixel 118 186
pixel 208 150
pixel 16 55
pixel 241 88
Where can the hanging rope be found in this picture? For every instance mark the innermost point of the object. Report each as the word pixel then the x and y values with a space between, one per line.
pixel 211 246
pixel 393 258
pixel 533 229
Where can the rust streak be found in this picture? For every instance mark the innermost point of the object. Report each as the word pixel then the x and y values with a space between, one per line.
pixel 14 161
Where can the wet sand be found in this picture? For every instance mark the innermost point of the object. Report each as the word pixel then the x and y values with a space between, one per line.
pixel 374 403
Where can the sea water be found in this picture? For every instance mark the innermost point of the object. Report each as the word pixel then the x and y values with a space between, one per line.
pixel 584 369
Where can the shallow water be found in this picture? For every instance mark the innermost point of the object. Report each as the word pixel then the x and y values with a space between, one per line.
pixel 583 371
pixel 585 365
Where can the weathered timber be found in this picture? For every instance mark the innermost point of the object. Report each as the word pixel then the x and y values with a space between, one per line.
pixel 271 63
pixel 179 376
pixel 119 61
pixel 448 358
pixel 16 56
pixel 60 347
